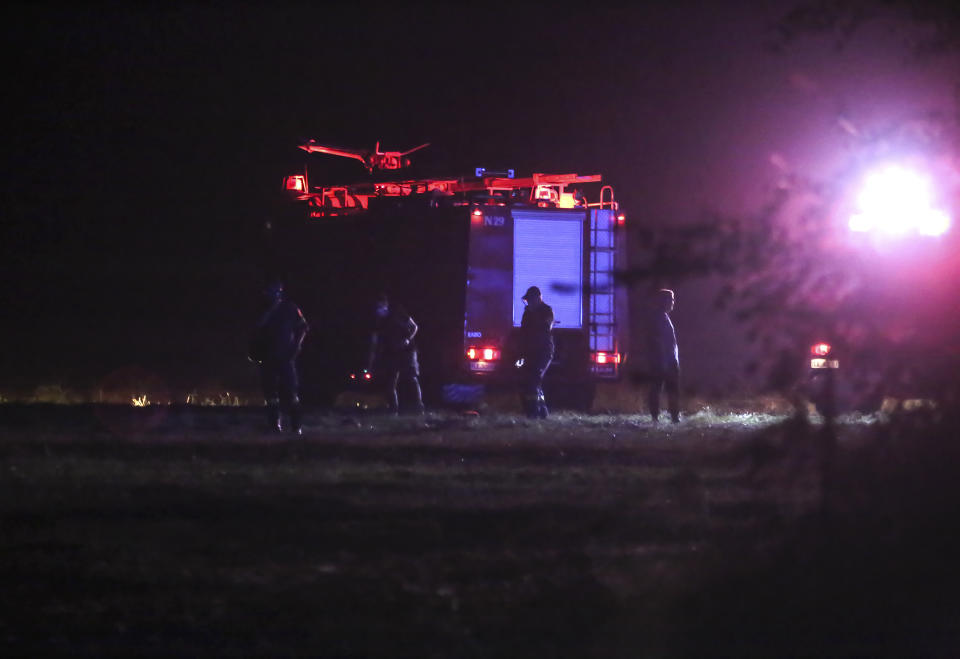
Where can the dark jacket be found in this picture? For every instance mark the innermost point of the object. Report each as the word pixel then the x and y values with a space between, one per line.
pixel 536 331
pixel 391 342
pixel 393 331
pixel 662 350
pixel 279 333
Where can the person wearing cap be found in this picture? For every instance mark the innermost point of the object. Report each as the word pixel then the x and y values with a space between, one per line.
pixel 393 350
pixel 277 341
pixel 536 352
pixel 664 357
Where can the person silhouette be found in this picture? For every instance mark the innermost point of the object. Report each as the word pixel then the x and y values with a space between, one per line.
pixel 276 344
pixel 664 356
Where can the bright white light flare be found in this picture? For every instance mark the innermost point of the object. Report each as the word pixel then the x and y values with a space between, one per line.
pixel 896 201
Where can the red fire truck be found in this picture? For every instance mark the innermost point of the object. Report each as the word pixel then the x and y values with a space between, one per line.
pixel 459 253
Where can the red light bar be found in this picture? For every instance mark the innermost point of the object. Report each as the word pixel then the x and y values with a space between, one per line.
pixel 820 349
pixel 606 357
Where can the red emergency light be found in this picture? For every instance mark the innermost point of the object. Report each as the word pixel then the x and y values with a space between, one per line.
pixel 606 357
pixel 820 349
pixel 487 354
pixel 296 183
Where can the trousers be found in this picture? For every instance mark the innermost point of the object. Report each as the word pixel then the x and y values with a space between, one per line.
pixel 403 368
pixel 531 385
pixel 668 381
pixel 280 384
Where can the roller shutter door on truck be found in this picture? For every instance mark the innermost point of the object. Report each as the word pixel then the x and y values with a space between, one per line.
pixel 548 253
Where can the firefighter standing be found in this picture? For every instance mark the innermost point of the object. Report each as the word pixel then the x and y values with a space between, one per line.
pixel 276 344
pixel 536 346
pixel 664 357
pixel 394 352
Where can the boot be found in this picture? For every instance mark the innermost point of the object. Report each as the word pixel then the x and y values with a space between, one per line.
pixel 417 396
pixel 273 418
pixel 530 407
pixel 542 411
pixel 296 419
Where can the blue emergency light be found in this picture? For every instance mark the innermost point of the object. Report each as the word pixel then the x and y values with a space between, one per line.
pixel 502 173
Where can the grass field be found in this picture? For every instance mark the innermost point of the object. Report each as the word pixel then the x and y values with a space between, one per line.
pixel 190 532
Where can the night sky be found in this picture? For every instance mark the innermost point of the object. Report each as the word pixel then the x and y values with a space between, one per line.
pixel 144 146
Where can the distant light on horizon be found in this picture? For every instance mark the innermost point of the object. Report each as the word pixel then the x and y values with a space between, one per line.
pixel 896 201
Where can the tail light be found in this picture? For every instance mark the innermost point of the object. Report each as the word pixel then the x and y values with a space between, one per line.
pixel 486 353
pixel 819 352
pixel 820 349
pixel 605 357
pixel 297 183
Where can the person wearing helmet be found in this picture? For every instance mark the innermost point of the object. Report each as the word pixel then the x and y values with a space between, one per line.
pixel 664 357
pixel 276 344
pixel 536 352
pixel 393 351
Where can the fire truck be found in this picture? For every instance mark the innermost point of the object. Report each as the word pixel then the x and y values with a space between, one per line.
pixel 458 253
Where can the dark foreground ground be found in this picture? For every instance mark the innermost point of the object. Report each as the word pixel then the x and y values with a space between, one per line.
pixel 188 532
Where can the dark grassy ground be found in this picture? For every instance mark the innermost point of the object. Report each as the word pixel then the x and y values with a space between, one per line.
pixel 187 532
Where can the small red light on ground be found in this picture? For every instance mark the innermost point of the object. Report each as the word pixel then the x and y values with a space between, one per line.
pixel 367 376
pixel 820 349
pixel 621 218
pixel 353 376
